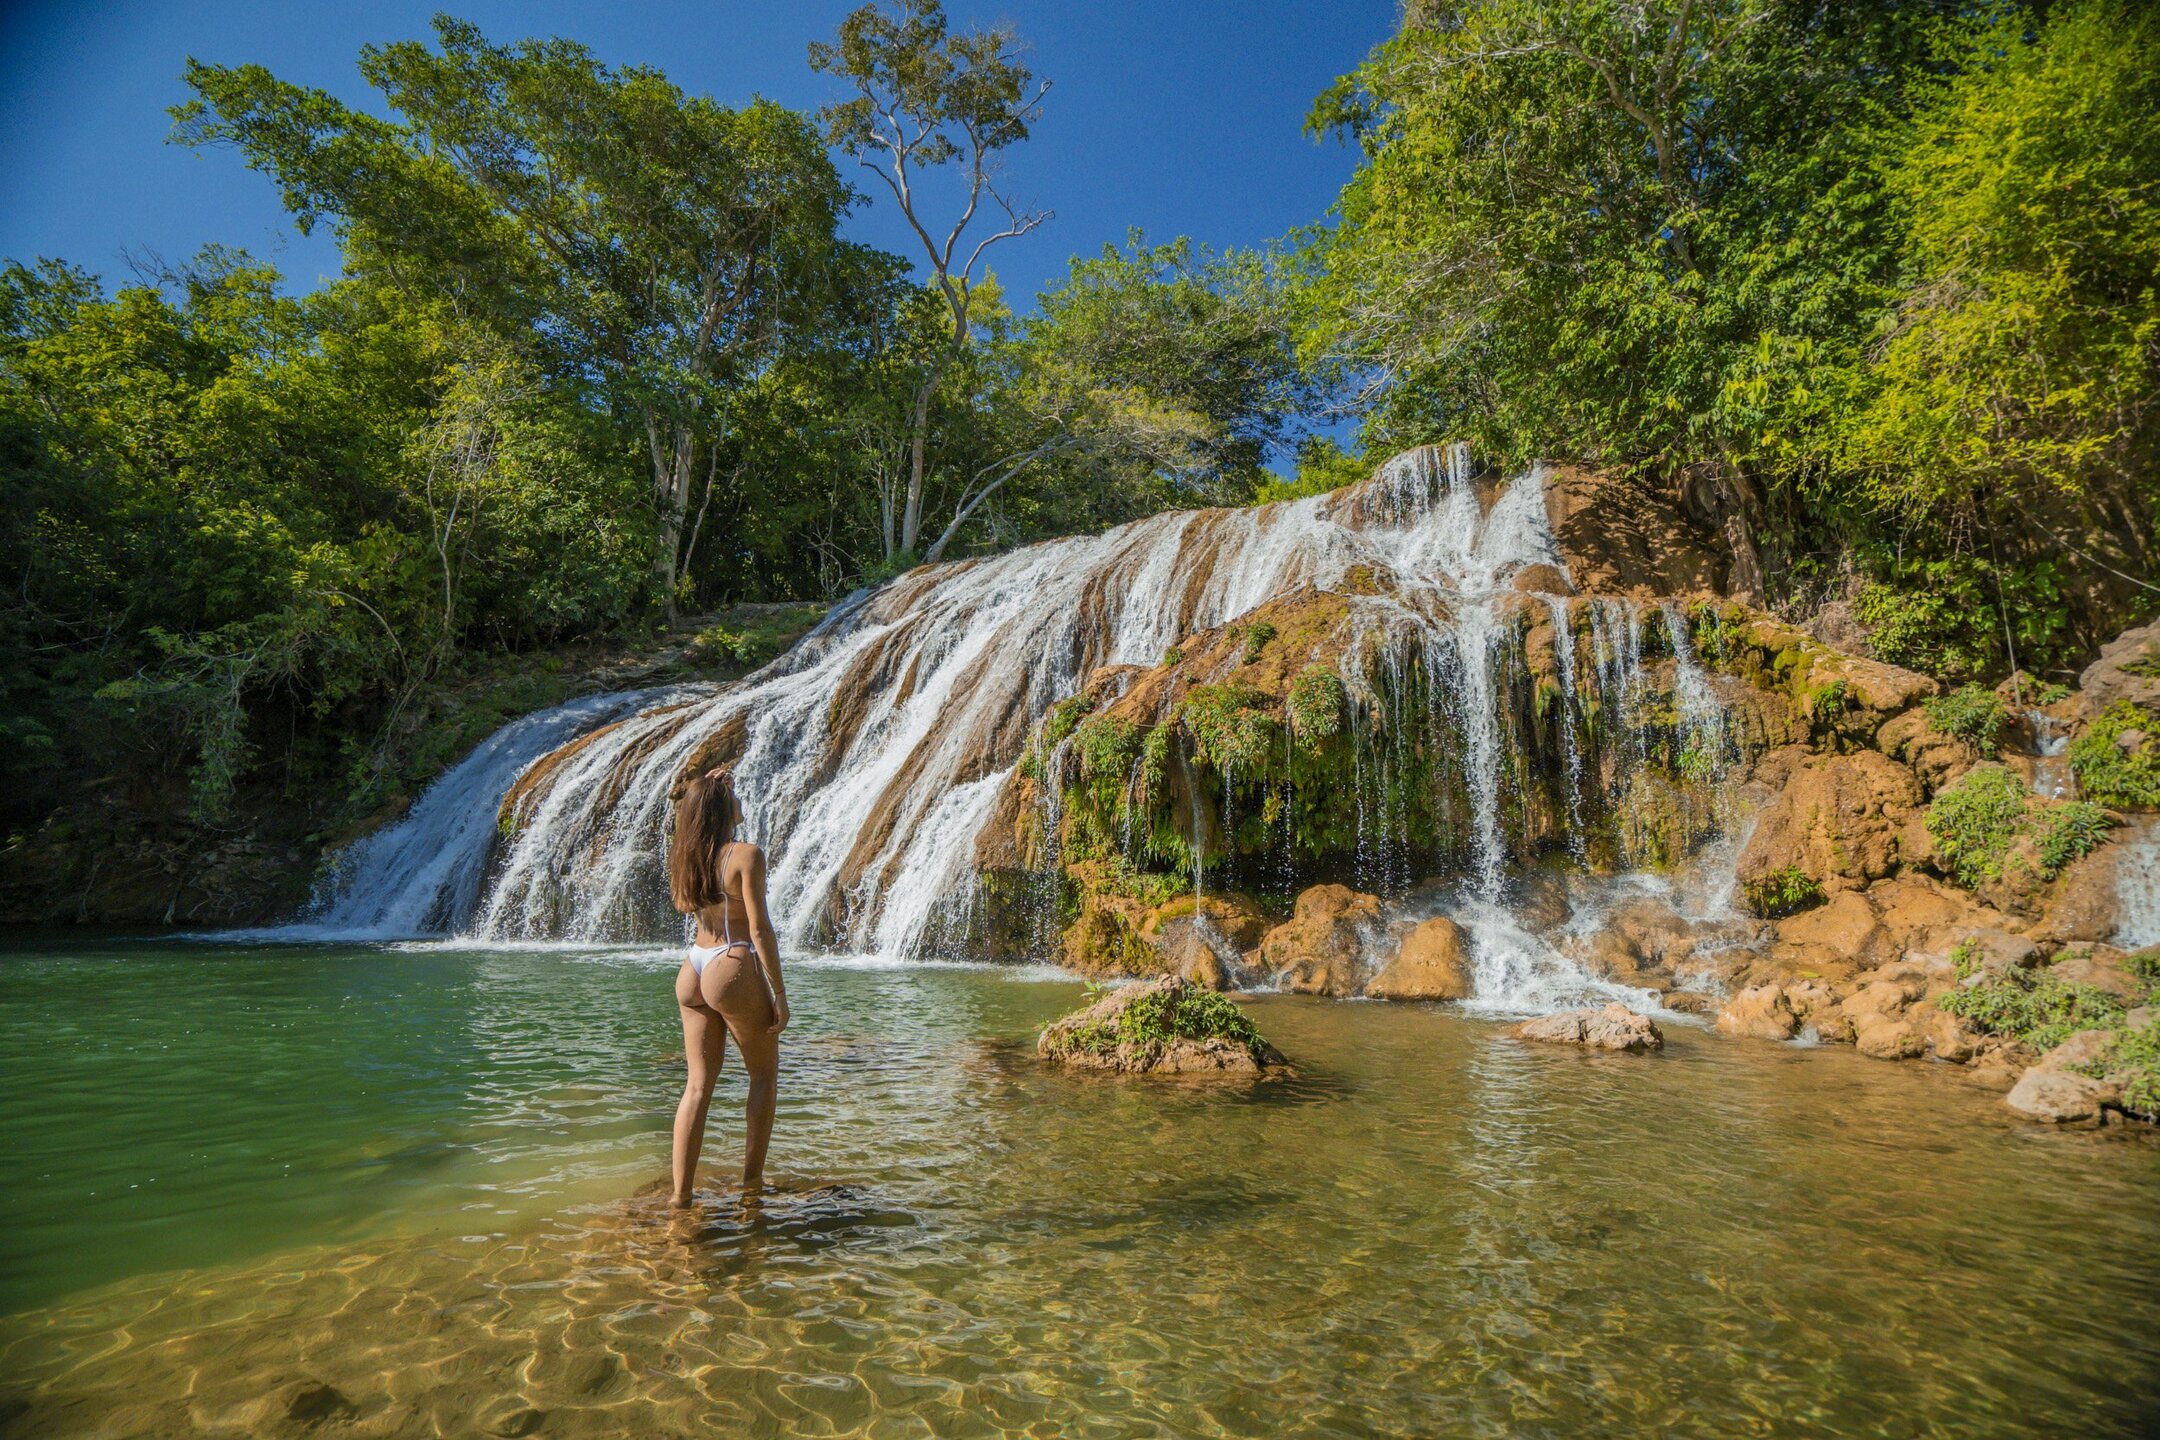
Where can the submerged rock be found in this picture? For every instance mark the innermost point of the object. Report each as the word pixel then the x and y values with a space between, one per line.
pixel 1612 1027
pixel 1165 1026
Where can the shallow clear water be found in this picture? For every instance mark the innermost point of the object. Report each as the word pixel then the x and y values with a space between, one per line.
pixel 410 1176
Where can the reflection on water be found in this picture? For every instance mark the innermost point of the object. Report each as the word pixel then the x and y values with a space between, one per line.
pixel 1434 1230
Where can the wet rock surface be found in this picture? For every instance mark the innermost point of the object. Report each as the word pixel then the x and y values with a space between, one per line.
pixel 1432 964
pixel 1610 1027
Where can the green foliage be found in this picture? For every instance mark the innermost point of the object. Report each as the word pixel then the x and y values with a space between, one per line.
pixel 1975 821
pixel 1064 716
pixel 1258 636
pixel 1782 892
pixel 2135 1055
pixel 1172 657
pixel 2033 1007
pixel 2117 759
pixel 1106 745
pixel 1231 727
pixel 1944 615
pixel 1879 278
pixel 2031 229
pixel 1322 466
pixel 2065 832
pixel 761 637
pixel 1316 705
pixel 1154 1019
pixel 1971 713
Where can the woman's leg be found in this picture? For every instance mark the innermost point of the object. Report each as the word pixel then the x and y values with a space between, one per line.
pixel 704 1048
pixel 733 987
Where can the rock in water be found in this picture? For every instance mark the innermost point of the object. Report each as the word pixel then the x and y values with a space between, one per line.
pixel 1165 1026
pixel 2059 1097
pixel 1431 965
pixel 1760 1012
pixel 1614 1027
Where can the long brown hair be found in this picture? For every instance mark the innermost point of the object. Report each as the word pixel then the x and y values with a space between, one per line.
pixel 704 824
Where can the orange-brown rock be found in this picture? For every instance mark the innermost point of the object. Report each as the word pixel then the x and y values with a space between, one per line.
pixel 1622 536
pixel 1433 964
pixel 2128 669
pixel 1207 939
pixel 1841 820
pixel 1938 759
pixel 1321 948
pixel 1760 1012
pixel 2086 904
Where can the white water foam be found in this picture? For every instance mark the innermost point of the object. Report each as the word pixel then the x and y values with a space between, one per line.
pixel 873 754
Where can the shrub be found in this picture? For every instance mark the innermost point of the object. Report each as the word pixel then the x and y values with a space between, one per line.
pixel 2033 1007
pixel 2111 773
pixel 2067 831
pixel 1316 705
pixel 1781 892
pixel 1975 821
pixel 1230 731
pixel 1172 657
pixel 1258 635
pixel 1972 714
pixel 1106 745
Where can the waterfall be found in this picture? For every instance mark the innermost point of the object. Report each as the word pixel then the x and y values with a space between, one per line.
pixel 2137 888
pixel 1570 706
pixel 422 875
pixel 873 757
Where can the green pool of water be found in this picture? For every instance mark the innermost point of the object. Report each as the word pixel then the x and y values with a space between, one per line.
pixel 408 1177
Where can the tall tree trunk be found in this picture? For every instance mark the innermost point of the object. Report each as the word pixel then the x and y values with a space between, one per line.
pixel 672 453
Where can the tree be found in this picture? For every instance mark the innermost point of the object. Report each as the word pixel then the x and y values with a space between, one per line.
pixel 927 98
pixel 1577 224
pixel 650 244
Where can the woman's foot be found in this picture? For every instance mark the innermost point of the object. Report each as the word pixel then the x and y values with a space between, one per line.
pixel 679 1200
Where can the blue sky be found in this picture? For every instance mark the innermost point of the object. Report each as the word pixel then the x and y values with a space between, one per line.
pixel 1175 116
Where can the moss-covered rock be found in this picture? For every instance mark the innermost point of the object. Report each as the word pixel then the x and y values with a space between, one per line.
pixel 1165 1026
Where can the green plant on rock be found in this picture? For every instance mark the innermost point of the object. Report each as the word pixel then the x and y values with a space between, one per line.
pixel 1316 705
pixel 1970 713
pixel 1106 745
pixel 2117 759
pixel 2136 1052
pixel 1172 657
pixel 2033 1007
pixel 1063 718
pixel 1154 1019
pixel 1230 728
pixel 2067 831
pixel 1975 821
pixel 1258 636
pixel 1781 892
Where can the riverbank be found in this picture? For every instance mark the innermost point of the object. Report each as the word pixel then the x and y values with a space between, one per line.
pixel 127 851
pixel 1433 1228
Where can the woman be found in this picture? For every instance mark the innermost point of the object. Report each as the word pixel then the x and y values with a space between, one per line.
pixel 730 983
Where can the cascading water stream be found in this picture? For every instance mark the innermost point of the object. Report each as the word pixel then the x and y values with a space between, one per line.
pixel 873 755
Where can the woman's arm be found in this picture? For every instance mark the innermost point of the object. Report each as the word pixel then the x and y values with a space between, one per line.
pixel 762 937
